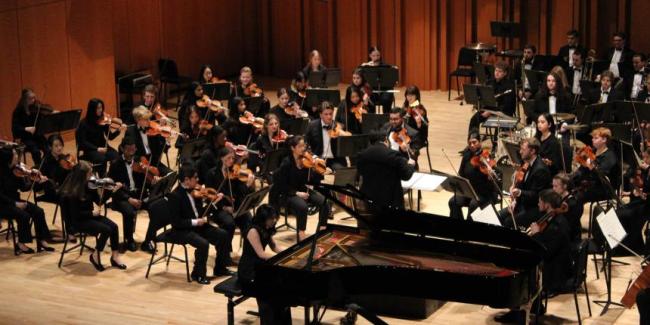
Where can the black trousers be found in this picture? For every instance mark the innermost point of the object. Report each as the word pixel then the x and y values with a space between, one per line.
pixel 227 222
pixel 23 217
pixel 643 303
pixel 201 238
pixel 98 158
pixel 104 228
pixel 272 311
pixel 129 215
pixel 34 146
pixel 523 217
pixel 457 202
pixel 299 207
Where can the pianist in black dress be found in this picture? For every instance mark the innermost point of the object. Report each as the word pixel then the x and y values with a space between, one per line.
pixel 23 124
pixel 550 149
pixel 93 135
pixel 551 98
pixel 258 237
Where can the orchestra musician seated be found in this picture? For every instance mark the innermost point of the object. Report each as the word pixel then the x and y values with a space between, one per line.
pixel 599 170
pixel 619 53
pixel 551 98
pixel 271 138
pixel 402 137
pixel 23 123
pixel 350 111
pixel 287 109
pixel 384 99
pixel 504 88
pixel 216 139
pixel 634 214
pixel 530 61
pixel 149 142
pixel 473 167
pixel 16 177
pixel 238 132
pixel 294 180
pixel 572 45
pixel 94 132
pixel 644 94
pixel 531 178
pixel 416 114
pixel 606 93
pixel 321 133
pixel 550 150
pixel 190 225
pixel 562 185
pixel 360 82
pixel 314 64
pixel 53 167
pixel 634 79
pixel 246 87
pixel 577 72
pixel 298 89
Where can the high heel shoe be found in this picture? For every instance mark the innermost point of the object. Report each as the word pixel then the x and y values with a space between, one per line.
pixel 40 248
pixel 18 250
pixel 98 265
pixel 117 265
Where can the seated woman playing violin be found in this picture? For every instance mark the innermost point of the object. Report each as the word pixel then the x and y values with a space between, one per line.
pixel 600 169
pixel 350 111
pixel 148 138
pixel 95 131
pixel 298 89
pixel 246 87
pixel 23 123
pixel 416 113
pixel 235 182
pixel 271 138
pixel 209 109
pixel 293 180
pixel 15 177
pixel 367 96
pixel 287 109
pixel 476 166
pixel 56 166
pixel 239 132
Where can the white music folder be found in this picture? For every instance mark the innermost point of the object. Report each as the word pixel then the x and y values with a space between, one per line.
pixel 423 181
pixel 611 228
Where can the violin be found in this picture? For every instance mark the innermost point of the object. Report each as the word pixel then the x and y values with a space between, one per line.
pixel 279 136
pixel 206 193
pixel 164 131
pixel 546 219
pixel 484 162
pixel 113 123
pixel 67 161
pixel 160 115
pixel 215 80
pixel 144 167
pixel 357 110
pixel 21 170
pixel 204 127
pixel 314 163
pixel 416 110
pixel 248 118
pixel 95 183
pixel 253 90
pixel 641 282
pixel 240 173
pixel 295 111
pixel 240 149
pixel 520 173
pixel 336 131
pixel 401 136
pixel 585 157
pixel 213 105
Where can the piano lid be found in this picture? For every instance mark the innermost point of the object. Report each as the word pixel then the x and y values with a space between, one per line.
pixel 391 220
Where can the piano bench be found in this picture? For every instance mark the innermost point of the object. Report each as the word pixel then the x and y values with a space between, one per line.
pixel 232 290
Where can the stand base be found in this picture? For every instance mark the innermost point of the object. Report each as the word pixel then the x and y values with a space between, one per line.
pixel 606 305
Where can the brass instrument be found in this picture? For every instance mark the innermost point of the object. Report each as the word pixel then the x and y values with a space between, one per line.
pixel 589 65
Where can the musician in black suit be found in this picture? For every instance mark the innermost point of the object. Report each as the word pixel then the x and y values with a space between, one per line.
pixel 572 44
pixel 149 146
pixel 128 199
pixel 536 178
pixel 293 179
pixel 393 130
pixel 191 226
pixel 603 174
pixel 504 88
pixel 530 61
pixel 318 136
pixel 378 159
pixel 644 94
pixel 634 79
pixel 561 185
pixel 576 73
pixel 619 53
pixel 606 93
pixel 551 98
pixel 485 188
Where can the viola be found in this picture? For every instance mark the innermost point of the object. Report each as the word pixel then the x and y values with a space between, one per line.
pixel 253 90
pixel 250 119
pixel 585 157
pixel 641 282
pixel 520 173
pixel 314 163
pixel 240 173
pixel 240 149
pixel 21 170
pixel 546 219
pixel 113 123
pixel 337 131
pixel 416 110
pixel 160 115
pixel 204 127
pixel 401 136
pixel 213 105
pixel 357 110
pixel 484 162
pixel 206 193
pixel 279 136
pixel 101 183
pixel 164 131
pixel 144 167
pixel 67 161
pixel 293 109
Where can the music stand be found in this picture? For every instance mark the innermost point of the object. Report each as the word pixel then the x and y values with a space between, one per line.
pixel 316 96
pixel 58 122
pixel 529 107
pixel 272 161
pixel 597 113
pixel 350 146
pixel 535 79
pixel 253 104
pixel 162 187
pixel 296 126
pixel 218 91
pixel 325 78
pixel 480 70
pixel 382 77
pixel 512 150
pixel 480 95
pixel 372 123
pixel 251 201
pixel 192 149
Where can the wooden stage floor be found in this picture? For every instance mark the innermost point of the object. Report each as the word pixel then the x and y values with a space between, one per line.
pixel 37 292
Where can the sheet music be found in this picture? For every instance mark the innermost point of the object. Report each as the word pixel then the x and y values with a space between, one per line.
pixel 423 181
pixel 486 215
pixel 611 228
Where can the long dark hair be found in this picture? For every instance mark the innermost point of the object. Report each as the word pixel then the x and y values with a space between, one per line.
pixel 348 96
pixel 190 98
pixel 22 102
pixel 74 185
pixel 263 213
pixel 91 110
pixel 203 68
pixel 411 90
pixel 376 48
pixel 234 111
pixel 6 156
pixel 559 87
pixel 551 125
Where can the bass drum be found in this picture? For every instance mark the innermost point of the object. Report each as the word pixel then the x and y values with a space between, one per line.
pixel 506 169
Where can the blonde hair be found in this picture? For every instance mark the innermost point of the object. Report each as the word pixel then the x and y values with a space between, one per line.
pixel 602 132
pixel 246 69
pixel 141 112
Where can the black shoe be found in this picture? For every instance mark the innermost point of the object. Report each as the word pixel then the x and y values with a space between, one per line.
pixel 117 265
pixel 19 251
pixel 98 265
pixel 40 248
pixel 200 279
pixel 513 316
pixel 131 246
pixel 223 272
pixel 148 247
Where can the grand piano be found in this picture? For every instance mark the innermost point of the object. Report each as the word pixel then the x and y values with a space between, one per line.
pixel 404 254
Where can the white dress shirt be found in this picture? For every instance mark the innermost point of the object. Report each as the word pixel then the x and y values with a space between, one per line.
pixel 327 141
pixel 613 65
pixel 145 141
pixel 636 84
pixel 552 102
pixel 575 88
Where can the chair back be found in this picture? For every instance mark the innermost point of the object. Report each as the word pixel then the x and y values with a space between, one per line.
pixel 345 176
pixel 167 68
pixel 159 211
pixel 466 57
pixel 579 263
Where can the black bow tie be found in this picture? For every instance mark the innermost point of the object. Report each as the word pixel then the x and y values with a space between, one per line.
pixel 605 92
pixel 572 47
pixel 144 129
pixel 327 127
pixel 577 70
pixel 551 95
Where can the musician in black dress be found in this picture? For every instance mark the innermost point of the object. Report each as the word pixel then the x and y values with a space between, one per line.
pixel 287 109
pixel 23 123
pixel 562 186
pixel 352 106
pixel 504 88
pixel 367 95
pixel 485 188
pixel 216 139
pixel 192 97
pixel 606 93
pixel 293 184
pixel 192 130
pixel 550 149
pixel 93 135
pixel 416 113
pixel 551 98
pixel 78 200
pixel 52 168
pixel 394 134
pixel 268 140
pixel 572 45
pixel 238 132
pixel 191 226
pixel 314 63
pixel 319 136
pixel 379 159
pixel 535 178
pixel 13 207
pixel 602 175
pixel 258 237
pixel 234 186
pixel 385 99
pixel 298 89
pixel 245 88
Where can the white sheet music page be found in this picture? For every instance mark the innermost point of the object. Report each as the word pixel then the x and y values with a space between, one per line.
pixel 423 181
pixel 486 215
pixel 611 227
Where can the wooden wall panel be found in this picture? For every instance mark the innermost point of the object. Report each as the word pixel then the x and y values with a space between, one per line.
pixel 415 62
pixel 10 75
pixel 639 22
pixel 562 21
pixel 287 52
pixel 486 11
pixel 352 40
pixel 44 52
pixel 121 30
pixel 91 53
pixel 7 5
